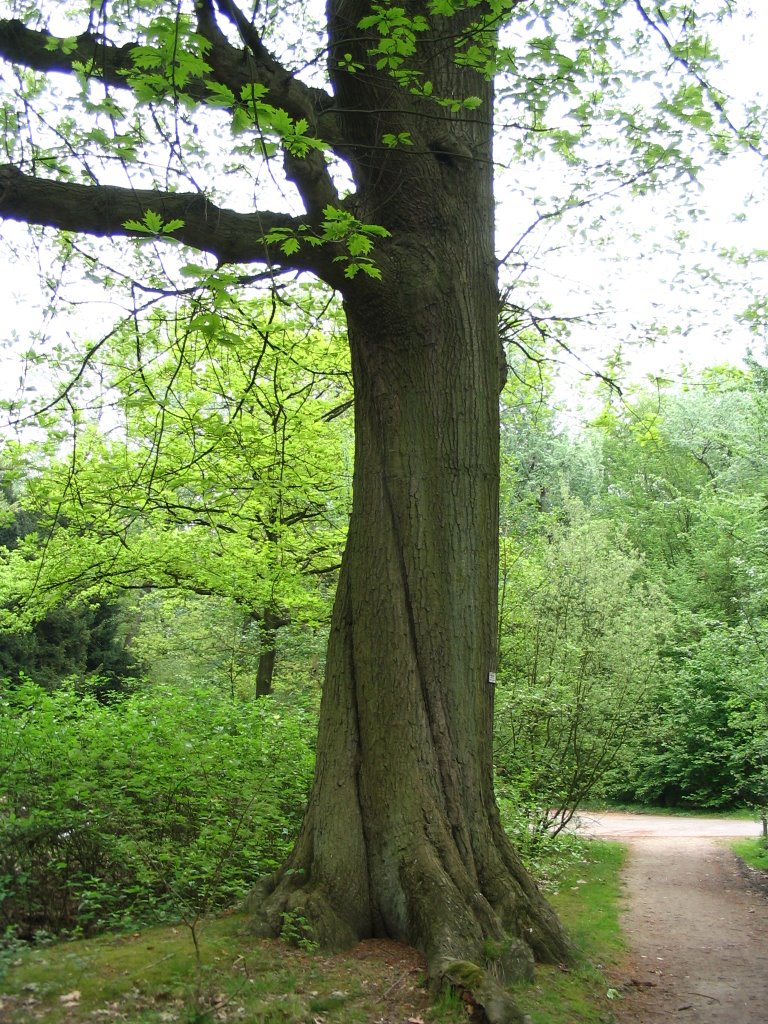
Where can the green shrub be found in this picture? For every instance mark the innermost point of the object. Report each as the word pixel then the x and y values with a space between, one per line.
pixel 579 650
pixel 161 804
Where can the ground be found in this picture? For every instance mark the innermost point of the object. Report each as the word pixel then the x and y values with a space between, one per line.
pixel 695 919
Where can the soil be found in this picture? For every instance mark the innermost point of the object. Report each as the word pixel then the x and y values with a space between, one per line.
pixel 696 919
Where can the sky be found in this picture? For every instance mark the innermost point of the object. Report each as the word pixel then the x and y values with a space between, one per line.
pixel 666 301
pixel 643 290
pixel 668 304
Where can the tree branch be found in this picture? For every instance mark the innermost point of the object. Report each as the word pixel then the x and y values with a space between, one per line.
pixel 234 68
pixel 230 67
pixel 42 52
pixel 698 77
pixel 102 210
pixel 309 174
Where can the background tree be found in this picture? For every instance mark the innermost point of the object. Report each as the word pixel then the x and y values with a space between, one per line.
pixel 206 467
pixel 579 652
pixel 402 836
pixel 686 473
pixel 86 641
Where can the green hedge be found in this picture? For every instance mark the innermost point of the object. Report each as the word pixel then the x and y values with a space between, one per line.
pixel 161 804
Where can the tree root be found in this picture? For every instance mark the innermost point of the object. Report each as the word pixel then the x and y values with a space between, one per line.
pixel 281 907
pixel 489 1002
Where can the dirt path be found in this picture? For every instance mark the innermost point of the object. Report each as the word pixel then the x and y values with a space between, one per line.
pixel 696 919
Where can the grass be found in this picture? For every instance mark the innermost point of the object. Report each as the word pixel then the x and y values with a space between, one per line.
pixel 152 976
pixel 588 902
pixel 753 852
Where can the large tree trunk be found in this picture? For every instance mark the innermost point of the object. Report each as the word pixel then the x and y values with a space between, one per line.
pixel 402 836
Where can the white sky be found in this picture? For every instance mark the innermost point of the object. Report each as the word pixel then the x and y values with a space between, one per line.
pixel 647 278
pixel 652 282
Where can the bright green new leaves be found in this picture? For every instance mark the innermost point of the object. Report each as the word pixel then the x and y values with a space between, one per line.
pixel 173 60
pixel 275 127
pixel 153 224
pixel 586 82
pixel 173 56
pixel 213 462
pixel 626 94
pixel 397 34
pixel 401 139
pixel 392 40
pixel 341 228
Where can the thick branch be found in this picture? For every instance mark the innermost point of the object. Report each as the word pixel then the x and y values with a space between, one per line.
pixel 102 210
pixel 33 49
pixel 309 174
pixel 230 66
pixel 245 29
pixel 112 65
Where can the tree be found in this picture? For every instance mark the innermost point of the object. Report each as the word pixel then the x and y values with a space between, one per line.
pixel 685 474
pixel 578 655
pixel 244 460
pixel 402 835
pixel 86 640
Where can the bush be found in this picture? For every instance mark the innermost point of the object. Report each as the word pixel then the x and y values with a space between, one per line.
pixel 161 804
pixel 579 647
pixel 704 743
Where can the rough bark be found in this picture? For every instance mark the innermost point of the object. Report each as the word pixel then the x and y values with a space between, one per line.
pixel 402 836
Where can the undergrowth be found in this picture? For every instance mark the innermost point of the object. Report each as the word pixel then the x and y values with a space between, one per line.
pixel 159 806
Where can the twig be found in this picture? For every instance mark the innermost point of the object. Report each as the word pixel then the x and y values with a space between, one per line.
pixel 395 984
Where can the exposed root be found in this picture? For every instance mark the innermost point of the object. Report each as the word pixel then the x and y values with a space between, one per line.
pixel 488 1001
pixel 279 911
pixel 448 930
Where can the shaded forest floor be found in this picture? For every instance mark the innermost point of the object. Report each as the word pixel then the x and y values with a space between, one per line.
pixel 152 976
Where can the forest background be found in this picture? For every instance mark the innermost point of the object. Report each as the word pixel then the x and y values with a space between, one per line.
pixel 162 681
pixel 172 531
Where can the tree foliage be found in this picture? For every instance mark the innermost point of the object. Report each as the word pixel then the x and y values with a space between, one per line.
pixel 579 652
pixel 687 475
pixel 181 126
pixel 193 459
pixel 87 640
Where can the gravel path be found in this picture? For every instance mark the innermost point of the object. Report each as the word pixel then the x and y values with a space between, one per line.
pixel 696 921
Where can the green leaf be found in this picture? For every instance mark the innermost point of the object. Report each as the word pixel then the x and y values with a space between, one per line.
pixel 401 139
pixel 153 221
pixel 219 95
